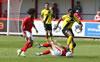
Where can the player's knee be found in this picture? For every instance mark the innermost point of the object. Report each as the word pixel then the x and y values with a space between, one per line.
pixel 74 45
pixel 31 45
pixel 69 34
pixel 31 42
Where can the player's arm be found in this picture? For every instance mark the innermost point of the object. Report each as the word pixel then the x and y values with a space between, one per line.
pixel 79 22
pixel 81 25
pixel 59 44
pixel 35 28
pixel 23 24
pixel 57 24
pixel 22 27
pixel 41 16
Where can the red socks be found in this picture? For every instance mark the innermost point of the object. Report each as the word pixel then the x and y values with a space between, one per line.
pixel 47 45
pixel 46 52
pixel 27 45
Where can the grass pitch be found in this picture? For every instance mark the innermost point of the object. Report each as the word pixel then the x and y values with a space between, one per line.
pixel 85 51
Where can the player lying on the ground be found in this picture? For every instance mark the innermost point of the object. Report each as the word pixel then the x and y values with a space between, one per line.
pixel 55 50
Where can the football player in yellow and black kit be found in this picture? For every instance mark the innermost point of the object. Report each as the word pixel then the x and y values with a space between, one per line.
pixel 69 19
pixel 46 16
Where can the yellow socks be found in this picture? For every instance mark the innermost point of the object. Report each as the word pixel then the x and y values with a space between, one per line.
pixel 69 40
pixel 47 40
pixel 71 46
pixel 51 37
pixel 70 43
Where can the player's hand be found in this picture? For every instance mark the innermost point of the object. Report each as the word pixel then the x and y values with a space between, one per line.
pixel 80 28
pixel 54 19
pixel 24 35
pixel 55 28
pixel 36 31
pixel 42 20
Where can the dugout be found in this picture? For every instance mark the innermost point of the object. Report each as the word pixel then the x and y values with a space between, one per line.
pixel 89 7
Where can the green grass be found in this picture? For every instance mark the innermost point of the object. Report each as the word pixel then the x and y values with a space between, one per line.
pixel 86 51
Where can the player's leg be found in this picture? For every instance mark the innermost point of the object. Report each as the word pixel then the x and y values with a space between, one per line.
pixel 50 30
pixel 51 35
pixel 47 51
pixel 44 45
pixel 26 38
pixel 47 36
pixel 43 53
pixel 69 35
pixel 65 32
pixel 24 34
pixel 72 46
pixel 70 41
pixel 28 44
pixel 46 30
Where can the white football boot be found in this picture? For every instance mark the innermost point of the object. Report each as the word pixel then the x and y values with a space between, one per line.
pixel 19 52
pixel 37 54
pixel 22 54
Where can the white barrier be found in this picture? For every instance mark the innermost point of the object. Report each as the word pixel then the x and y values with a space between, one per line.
pixel 41 30
pixel 90 29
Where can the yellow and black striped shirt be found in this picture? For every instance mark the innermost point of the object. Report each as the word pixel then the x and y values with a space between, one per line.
pixel 67 21
pixel 46 13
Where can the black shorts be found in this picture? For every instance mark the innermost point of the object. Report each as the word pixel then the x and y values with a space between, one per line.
pixel 64 31
pixel 47 26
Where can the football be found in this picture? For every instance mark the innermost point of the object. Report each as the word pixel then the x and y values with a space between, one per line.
pixel 68 54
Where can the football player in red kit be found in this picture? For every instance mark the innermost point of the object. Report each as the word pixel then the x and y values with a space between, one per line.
pixel 55 50
pixel 26 28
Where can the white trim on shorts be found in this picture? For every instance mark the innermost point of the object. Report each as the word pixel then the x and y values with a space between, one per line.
pixel 28 34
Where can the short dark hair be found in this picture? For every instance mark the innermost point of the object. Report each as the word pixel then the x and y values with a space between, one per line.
pixel 78 2
pixel 31 11
pixel 47 3
pixel 71 10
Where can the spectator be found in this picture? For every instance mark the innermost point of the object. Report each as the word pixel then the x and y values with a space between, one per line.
pixel 55 11
pixel 78 15
pixel 5 14
pixel 99 8
pixel 97 16
pixel 78 7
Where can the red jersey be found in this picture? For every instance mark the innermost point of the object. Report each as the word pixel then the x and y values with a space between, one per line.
pixel 27 23
pixel 64 52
